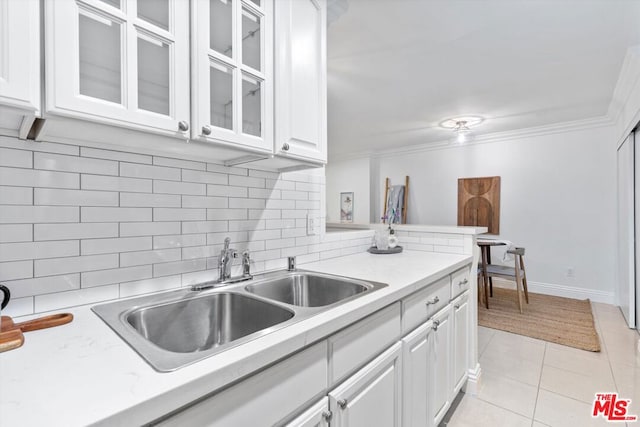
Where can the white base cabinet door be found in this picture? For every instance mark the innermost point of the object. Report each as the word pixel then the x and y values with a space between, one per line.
pixel 316 416
pixel 461 341
pixel 301 79
pixel 372 396
pixel 441 365
pixel 416 376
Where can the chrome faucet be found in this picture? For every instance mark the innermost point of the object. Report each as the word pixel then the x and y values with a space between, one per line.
pixel 225 260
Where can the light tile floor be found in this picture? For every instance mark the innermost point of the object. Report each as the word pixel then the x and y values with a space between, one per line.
pixel 533 383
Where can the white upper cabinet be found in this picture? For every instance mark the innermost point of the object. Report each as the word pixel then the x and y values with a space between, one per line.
pixel 232 75
pixel 19 65
pixel 119 62
pixel 301 79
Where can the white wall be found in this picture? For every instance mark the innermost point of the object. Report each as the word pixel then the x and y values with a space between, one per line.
pixel 347 176
pixel 557 200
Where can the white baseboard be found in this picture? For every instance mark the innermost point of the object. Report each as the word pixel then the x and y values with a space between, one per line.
pixel 474 381
pixel 563 291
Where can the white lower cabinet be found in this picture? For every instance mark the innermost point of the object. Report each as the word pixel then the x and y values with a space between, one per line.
pixel 372 396
pixel 440 365
pixel 417 349
pixel 316 416
pixel 460 340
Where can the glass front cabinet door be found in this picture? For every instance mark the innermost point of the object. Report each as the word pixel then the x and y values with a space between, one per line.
pixel 119 62
pixel 232 82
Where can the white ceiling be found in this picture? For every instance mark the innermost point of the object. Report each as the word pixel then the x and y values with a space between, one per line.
pixel 396 68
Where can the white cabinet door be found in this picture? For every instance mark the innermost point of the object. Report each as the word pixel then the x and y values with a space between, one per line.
pixel 372 396
pixel 301 79
pixel 316 416
pixel 441 365
pixel 460 341
pixel 232 88
pixel 19 63
pixel 119 62
pixel 416 376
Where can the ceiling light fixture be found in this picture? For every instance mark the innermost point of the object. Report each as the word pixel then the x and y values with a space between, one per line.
pixel 461 126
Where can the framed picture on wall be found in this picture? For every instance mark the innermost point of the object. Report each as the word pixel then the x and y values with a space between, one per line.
pixel 346 207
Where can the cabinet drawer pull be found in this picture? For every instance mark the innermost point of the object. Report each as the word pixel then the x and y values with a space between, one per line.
pixel 342 403
pixel 206 130
pixel 464 282
pixel 183 126
pixel 327 415
pixel 434 300
pixel 457 306
pixel 436 323
pixel 285 146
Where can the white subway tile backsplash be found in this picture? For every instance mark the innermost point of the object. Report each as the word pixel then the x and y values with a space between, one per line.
pixel 53 266
pixel 136 170
pixel 38 146
pixel 264 193
pixel 179 241
pixel 204 202
pixel 43 285
pixel 150 285
pixel 264 214
pixel 280 243
pixel 142 200
pixel 246 203
pixel 57 197
pixel 178 214
pixel 235 236
pixel 195 277
pixel 38 178
pixel 226 214
pixel 174 187
pixel 245 181
pixel 280 204
pixel 263 174
pixel 264 234
pixel 199 252
pixel 192 227
pixel 280 184
pixel 148 228
pixel 129 259
pixel 204 177
pixel 177 163
pixel 10 233
pixel 186 266
pixel 116 275
pixel 60 300
pixel 59 162
pixel 74 231
pixel 121 244
pixel 294 232
pixel 226 191
pixel 16 270
pixel 246 225
pixel 114 155
pixel 270 224
pixel 295 195
pixel 16 158
pixel 107 214
pixel 211 167
pixel 310 204
pixel 16 214
pixel 304 186
pixel 16 195
pixel 112 183
pixel 288 213
pixel 19 307
pixel 37 250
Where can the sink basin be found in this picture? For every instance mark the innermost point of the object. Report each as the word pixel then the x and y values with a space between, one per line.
pixel 307 289
pixel 203 323
pixel 174 329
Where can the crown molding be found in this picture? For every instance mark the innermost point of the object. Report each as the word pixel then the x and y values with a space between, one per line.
pixel 628 78
pixel 572 126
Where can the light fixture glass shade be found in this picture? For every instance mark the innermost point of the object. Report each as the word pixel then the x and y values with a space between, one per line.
pixel 463 133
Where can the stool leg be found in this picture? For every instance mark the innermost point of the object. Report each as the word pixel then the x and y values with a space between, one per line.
pixel 518 285
pixel 524 280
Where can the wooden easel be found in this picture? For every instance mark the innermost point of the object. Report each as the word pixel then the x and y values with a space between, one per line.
pixel 387 185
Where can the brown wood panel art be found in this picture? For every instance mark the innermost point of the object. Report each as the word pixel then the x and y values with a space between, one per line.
pixel 479 202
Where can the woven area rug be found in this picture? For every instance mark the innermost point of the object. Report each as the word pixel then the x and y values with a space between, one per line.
pixel 559 320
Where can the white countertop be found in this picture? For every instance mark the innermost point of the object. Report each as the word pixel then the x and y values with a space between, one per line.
pixel 83 373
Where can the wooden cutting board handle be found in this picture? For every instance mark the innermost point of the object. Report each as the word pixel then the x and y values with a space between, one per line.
pixel 44 322
pixel 11 339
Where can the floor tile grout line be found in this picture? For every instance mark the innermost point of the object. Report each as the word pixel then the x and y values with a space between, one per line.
pixel 535 405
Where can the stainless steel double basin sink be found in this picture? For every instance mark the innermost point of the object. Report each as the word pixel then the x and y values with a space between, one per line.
pixel 174 329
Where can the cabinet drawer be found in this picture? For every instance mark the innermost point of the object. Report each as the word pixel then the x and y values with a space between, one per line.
pixel 357 344
pixel 425 303
pixel 460 281
pixel 265 398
